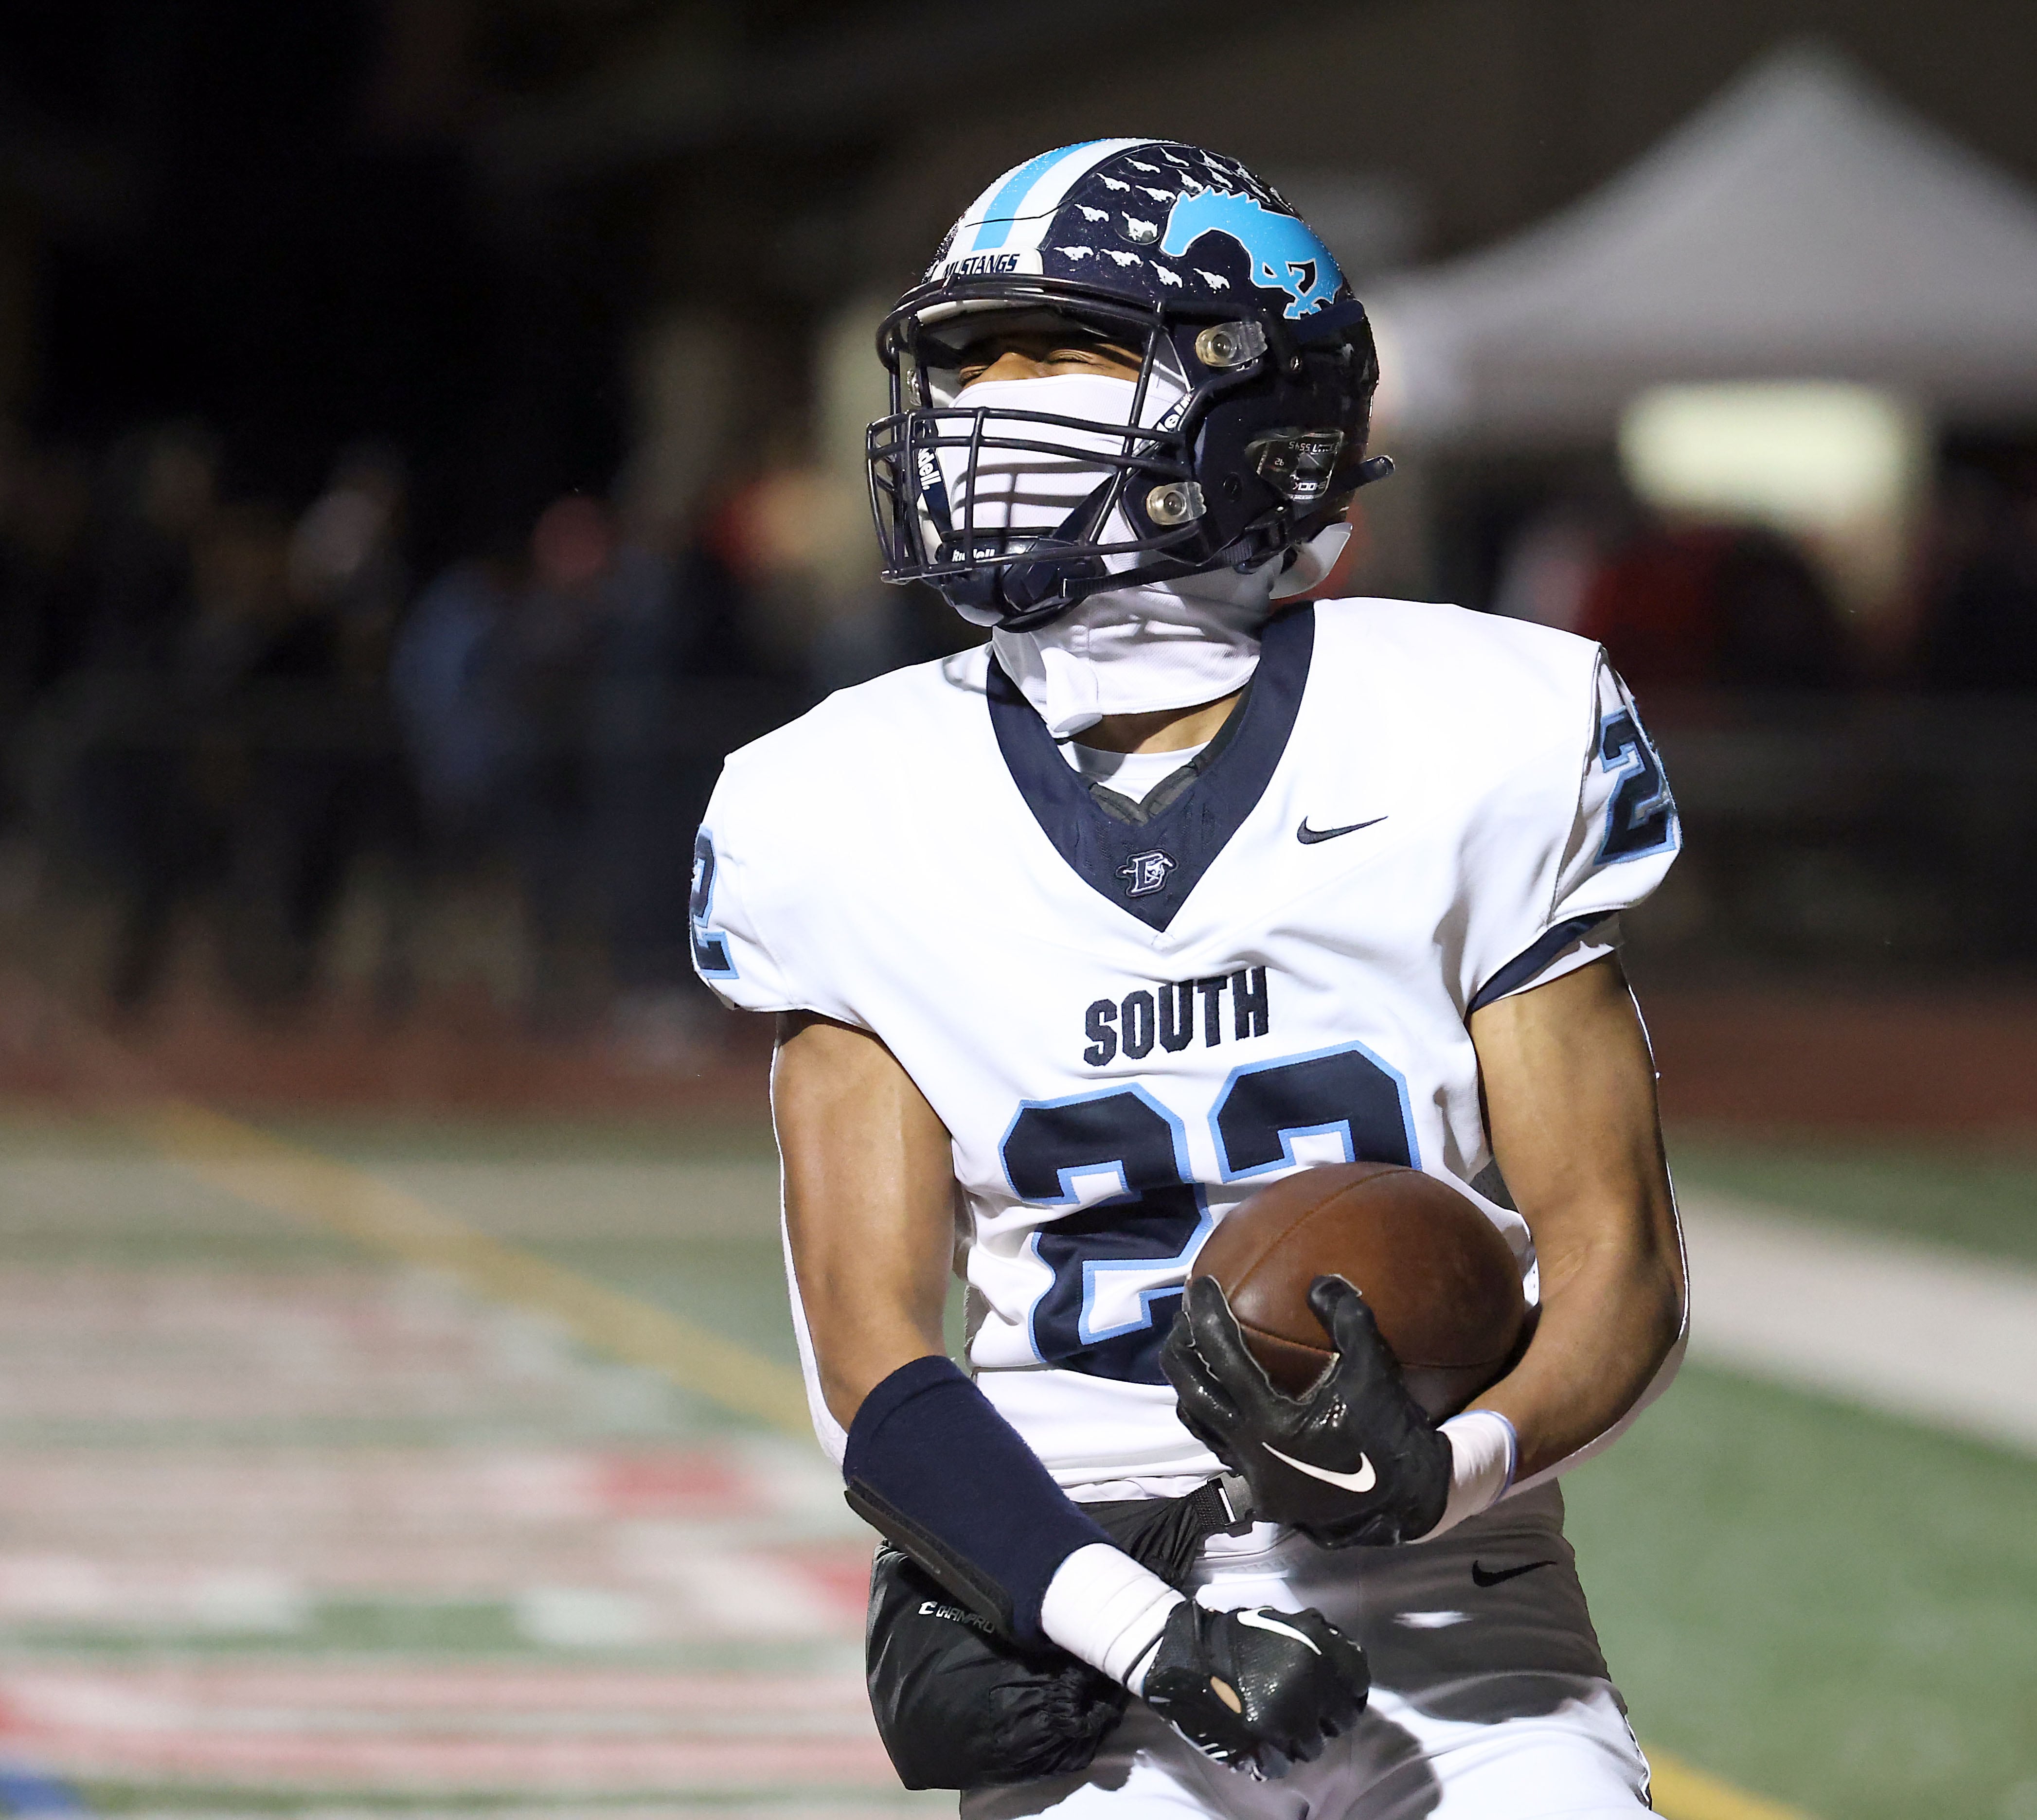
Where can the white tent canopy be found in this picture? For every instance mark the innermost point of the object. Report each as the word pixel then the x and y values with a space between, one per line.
pixel 1802 226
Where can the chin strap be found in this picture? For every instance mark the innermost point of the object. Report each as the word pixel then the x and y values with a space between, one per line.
pixel 1314 559
pixel 1025 595
pixel 1028 595
pixel 1313 562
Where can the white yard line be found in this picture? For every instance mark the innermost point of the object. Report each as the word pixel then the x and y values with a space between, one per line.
pixel 1912 1330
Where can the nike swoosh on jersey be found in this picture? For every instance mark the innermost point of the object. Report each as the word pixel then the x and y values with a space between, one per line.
pixel 1484 1576
pixel 1363 1479
pixel 1309 836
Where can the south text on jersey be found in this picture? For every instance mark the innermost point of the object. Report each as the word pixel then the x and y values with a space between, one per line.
pixel 1178 1013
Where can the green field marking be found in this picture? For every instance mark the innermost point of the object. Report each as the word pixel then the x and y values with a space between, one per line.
pixel 405 1634
pixel 382 1138
pixel 736 1290
pixel 652 1200
pixel 270 1171
pixel 88 1193
pixel 690 1224
pixel 1982 1200
pixel 39 1129
pixel 1835 1607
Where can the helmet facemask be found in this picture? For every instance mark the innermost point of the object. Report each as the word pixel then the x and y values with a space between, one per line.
pixel 1156 487
pixel 1014 508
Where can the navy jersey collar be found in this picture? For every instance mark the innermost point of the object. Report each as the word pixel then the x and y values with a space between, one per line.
pixel 1149 869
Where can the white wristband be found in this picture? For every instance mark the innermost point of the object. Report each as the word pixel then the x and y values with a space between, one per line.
pixel 1484 1451
pixel 1103 1607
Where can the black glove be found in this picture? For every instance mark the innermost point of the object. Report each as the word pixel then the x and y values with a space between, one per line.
pixel 1259 1690
pixel 1356 1460
pixel 959 1707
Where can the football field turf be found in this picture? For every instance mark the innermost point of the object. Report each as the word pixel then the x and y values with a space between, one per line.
pixel 353 1469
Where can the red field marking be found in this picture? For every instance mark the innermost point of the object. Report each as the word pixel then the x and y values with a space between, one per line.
pixel 844 1573
pixel 579 1543
pixel 406 1728
pixel 666 1484
pixel 586 1544
pixel 230 1493
pixel 255 1545
pixel 423 1694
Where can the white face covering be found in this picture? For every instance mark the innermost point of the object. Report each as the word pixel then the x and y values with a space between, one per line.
pixel 1155 645
pixel 1030 491
pixel 1140 648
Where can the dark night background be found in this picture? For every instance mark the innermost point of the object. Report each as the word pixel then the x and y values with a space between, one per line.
pixel 563 306
pixel 243 243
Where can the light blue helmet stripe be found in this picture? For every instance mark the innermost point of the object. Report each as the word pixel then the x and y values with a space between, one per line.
pixel 995 228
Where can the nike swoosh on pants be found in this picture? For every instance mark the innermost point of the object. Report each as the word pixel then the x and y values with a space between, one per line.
pixel 1484 1576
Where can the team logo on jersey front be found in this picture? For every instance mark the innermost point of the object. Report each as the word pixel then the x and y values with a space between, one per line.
pixel 1144 873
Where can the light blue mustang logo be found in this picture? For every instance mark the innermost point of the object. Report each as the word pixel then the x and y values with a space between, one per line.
pixel 1284 255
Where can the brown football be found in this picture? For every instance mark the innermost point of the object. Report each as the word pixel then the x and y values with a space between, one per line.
pixel 1440 1279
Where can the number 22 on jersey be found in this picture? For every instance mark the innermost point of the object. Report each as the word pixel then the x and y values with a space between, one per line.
pixel 1119 1257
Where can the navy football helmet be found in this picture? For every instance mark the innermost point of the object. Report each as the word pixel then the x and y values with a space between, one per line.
pixel 1246 431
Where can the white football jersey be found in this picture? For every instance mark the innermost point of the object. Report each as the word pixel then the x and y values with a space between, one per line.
pixel 1129 1026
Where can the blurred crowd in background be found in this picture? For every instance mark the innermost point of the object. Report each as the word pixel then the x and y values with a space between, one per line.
pixel 439 429
pixel 213 705
pixel 1684 605
pixel 216 707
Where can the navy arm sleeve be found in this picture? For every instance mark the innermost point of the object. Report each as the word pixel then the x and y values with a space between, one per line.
pixel 950 1483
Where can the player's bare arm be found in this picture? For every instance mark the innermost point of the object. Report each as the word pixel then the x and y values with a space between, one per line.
pixel 1568 1091
pixel 1570 1096
pixel 869 1204
pixel 869 1196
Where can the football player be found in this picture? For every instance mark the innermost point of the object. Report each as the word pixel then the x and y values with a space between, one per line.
pixel 1172 886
